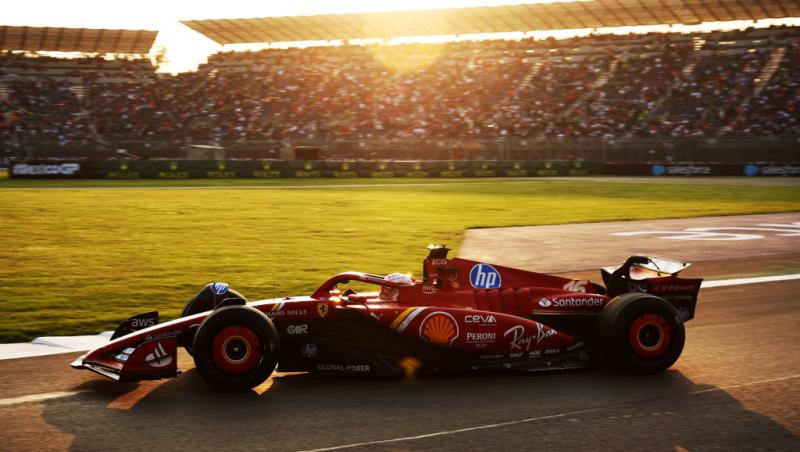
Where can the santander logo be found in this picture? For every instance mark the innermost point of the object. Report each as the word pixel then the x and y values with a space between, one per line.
pixel 585 301
pixel 159 357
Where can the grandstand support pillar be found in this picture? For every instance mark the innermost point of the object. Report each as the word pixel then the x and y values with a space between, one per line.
pixel 775 60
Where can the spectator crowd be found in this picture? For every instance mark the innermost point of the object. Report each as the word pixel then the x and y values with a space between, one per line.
pixel 600 86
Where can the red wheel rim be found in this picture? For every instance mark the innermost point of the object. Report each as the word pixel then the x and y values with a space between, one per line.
pixel 650 336
pixel 236 350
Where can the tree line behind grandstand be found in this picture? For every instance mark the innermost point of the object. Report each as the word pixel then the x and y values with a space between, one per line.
pixel 668 87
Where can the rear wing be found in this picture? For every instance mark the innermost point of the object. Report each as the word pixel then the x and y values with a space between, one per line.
pixel 642 267
pixel 657 276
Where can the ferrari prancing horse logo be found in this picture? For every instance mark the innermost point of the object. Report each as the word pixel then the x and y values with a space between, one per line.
pixel 322 309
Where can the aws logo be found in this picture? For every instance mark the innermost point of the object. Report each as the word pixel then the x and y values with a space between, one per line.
pixel 439 328
pixel 140 323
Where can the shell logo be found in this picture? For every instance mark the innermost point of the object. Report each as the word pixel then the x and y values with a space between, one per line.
pixel 439 328
pixel 267 166
pixel 345 166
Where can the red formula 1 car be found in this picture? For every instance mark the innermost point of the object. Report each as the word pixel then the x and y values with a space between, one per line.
pixel 463 315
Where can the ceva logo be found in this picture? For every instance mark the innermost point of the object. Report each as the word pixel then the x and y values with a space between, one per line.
pixel 484 276
pixel 658 170
pixel 751 170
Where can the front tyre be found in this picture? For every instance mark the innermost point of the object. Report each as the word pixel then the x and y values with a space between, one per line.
pixel 640 333
pixel 236 348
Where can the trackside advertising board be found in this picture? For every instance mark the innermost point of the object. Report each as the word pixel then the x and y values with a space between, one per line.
pixel 70 169
pixel 661 169
pixel 226 169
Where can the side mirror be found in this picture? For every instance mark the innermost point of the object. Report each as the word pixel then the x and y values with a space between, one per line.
pixel 636 260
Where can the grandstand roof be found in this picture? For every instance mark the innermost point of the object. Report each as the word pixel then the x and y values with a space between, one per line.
pixel 494 19
pixel 76 39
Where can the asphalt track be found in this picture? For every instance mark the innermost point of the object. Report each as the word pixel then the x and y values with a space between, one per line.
pixel 736 387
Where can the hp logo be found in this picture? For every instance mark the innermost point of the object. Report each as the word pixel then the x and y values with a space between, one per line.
pixel 219 288
pixel 484 276
pixel 309 351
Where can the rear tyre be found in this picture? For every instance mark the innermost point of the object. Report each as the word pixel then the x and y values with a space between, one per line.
pixel 640 333
pixel 236 348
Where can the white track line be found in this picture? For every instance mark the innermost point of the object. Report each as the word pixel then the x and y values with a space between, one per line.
pixel 452 432
pixel 523 421
pixel 743 281
pixel 38 397
pixel 723 388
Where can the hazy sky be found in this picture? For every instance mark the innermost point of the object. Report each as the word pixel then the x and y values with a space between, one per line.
pixel 185 47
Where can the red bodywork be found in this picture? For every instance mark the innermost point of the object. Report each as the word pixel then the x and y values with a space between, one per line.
pixel 463 314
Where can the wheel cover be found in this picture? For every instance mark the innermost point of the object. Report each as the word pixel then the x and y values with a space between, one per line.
pixel 650 336
pixel 236 350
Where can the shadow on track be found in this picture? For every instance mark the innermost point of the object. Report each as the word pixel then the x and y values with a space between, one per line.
pixel 306 411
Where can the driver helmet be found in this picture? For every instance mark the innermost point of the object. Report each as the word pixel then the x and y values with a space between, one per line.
pixel 391 293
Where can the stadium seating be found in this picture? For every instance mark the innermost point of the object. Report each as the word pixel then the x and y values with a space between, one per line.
pixel 608 87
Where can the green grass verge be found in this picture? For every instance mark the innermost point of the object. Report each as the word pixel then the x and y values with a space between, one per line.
pixel 80 261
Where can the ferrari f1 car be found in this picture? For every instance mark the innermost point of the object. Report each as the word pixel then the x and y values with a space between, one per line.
pixel 463 315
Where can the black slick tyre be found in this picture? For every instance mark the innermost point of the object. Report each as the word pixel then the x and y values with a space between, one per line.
pixel 640 333
pixel 236 348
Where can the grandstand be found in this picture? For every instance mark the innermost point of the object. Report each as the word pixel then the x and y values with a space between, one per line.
pixel 712 95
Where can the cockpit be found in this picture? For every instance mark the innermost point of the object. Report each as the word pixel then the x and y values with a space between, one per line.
pixel 363 288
